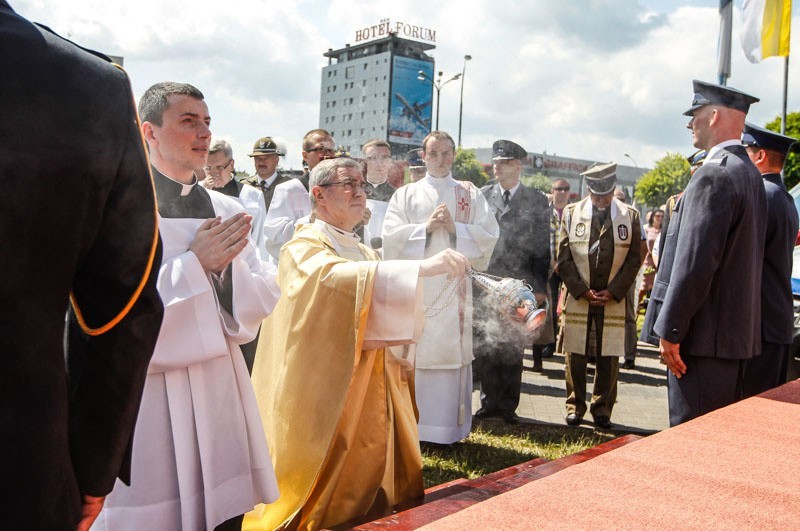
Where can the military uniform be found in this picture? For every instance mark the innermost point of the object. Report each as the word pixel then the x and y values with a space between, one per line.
pixel 78 218
pixel 613 243
pixel 710 271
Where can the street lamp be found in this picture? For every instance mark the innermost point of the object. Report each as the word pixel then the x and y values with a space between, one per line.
pixel 422 76
pixel 461 102
pixel 634 163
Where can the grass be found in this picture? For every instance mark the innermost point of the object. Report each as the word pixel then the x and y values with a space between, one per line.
pixel 494 445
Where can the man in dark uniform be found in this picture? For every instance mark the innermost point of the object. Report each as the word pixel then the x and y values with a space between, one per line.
pixel 522 252
pixel 79 219
pixel 768 151
pixel 598 260
pixel 656 298
pixel 266 155
pixel 710 320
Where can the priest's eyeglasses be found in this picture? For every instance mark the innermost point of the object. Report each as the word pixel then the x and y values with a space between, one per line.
pixel 218 168
pixel 348 185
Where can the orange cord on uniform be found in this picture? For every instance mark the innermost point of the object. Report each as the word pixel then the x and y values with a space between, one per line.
pixel 146 275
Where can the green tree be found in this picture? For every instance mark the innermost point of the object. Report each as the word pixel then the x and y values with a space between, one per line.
pixel 537 181
pixel 791 168
pixel 670 176
pixel 467 168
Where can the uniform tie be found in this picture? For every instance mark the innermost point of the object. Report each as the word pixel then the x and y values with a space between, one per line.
pixel 263 185
pixel 506 197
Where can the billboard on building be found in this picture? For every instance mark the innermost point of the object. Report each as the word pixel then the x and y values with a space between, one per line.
pixel 411 102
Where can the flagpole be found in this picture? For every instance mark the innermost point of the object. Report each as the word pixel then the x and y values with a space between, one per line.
pixel 785 92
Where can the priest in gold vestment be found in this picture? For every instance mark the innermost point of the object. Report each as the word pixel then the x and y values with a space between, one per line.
pixel 336 403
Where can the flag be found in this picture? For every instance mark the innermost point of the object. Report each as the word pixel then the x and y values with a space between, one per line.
pixel 766 26
pixel 724 43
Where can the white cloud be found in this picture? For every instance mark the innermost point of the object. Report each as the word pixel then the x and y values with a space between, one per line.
pixel 593 79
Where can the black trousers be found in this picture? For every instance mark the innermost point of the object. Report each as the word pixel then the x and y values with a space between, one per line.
pixel 501 376
pixel 709 384
pixel 766 371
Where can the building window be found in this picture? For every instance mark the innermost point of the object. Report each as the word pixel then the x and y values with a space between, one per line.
pixel 329 89
pixel 326 119
pixel 350 72
pixel 362 130
pixel 348 132
pixel 365 67
pixel 333 104
pixel 364 81
pixel 362 114
pixel 333 119
pixel 351 99
pixel 329 73
pixel 363 99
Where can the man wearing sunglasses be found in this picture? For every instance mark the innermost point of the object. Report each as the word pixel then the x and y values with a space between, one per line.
pixel 290 202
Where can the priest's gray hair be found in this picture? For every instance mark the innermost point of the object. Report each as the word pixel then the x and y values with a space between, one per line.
pixel 220 144
pixel 325 172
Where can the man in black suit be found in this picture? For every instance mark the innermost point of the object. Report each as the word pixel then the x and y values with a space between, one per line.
pixel 79 219
pixel 522 252
pixel 768 151
pixel 710 320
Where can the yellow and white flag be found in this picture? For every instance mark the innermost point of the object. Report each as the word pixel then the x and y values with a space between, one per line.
pixel 766 28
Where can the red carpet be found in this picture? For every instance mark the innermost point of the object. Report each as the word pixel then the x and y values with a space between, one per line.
pixel 735 468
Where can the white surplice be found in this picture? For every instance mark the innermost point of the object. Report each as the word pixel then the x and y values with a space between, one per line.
pixel 253 200
pixel 444 351
pixel 199 452
pixel 290 205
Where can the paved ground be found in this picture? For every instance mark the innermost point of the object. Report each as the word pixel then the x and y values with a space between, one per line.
pixel 641 396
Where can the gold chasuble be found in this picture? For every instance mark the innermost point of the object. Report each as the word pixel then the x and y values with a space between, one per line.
pixel 339 419
pixel 578 220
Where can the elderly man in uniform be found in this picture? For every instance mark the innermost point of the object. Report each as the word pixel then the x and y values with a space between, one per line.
pixel 522 252
pixel 266 155
pixel 290 202
pixel 598 259
pixel 768 151
pixel 711 264
pixel 342 425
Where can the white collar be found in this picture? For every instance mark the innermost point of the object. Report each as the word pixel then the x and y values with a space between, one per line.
pixel 512 190
pixel 339 236
pixel 447 180
pixel 185 188
pixel 269 180
pixel 714 152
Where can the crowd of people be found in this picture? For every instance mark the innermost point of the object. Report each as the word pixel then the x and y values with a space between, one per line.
pixel 270 352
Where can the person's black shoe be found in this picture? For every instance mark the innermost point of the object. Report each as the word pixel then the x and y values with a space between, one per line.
pixel 510 417
pixel 603 422
pixel 629 364
pixel 573 419
pixel 548 350
pixel 537 366
pixel 485 413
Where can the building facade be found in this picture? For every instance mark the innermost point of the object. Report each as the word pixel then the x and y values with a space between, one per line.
pixel 371 90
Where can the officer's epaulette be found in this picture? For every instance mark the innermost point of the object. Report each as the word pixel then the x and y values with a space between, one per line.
pixel 93 52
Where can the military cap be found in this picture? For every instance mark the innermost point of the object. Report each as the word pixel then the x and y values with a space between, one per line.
pixel 601 178
pixel 764 138
pixel 508 150
pixel 414 159
pixel 697 157
pixel 710 94
pixel 266 146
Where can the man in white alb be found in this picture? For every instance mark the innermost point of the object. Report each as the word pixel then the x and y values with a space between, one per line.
pixel 424 218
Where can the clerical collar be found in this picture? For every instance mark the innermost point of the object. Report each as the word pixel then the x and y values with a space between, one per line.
pixel 342 237
pixel 269 180
pixel 439 181
pixel 168 188
pixel 377 184
pixel 715 152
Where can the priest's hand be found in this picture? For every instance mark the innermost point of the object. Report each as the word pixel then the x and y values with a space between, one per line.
pixel 90 509
pixel 218 242
pixel 441 218
pixel 449 262
pixel 671 357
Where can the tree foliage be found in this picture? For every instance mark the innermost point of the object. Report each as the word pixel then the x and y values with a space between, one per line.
pixel 467 168
pixel 537 181
pixel 791 168
pixel 670 176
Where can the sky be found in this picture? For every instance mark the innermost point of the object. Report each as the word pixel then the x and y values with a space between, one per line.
pixel 603 80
